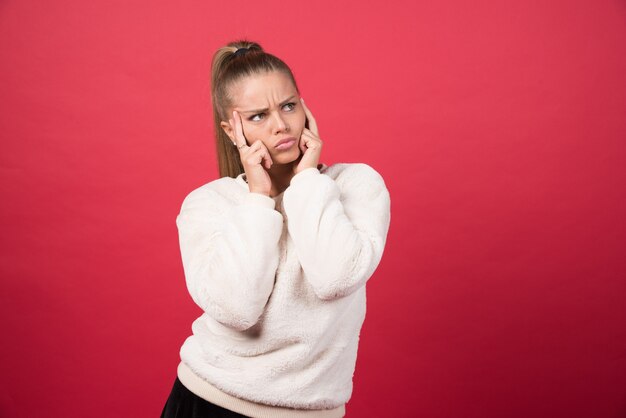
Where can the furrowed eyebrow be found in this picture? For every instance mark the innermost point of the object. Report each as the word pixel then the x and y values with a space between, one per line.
pixel 264 110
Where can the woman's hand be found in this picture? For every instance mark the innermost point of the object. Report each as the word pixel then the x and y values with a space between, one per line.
pixel 252 158
pixel 310 143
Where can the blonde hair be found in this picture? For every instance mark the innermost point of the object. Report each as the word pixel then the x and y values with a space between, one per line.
pixel 226 70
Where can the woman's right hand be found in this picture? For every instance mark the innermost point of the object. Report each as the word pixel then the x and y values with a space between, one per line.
pixel 252 157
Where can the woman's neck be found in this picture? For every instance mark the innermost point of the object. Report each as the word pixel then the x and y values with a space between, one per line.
pixel 281 175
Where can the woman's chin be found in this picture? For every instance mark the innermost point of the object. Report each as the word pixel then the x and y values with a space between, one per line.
pixel 287 157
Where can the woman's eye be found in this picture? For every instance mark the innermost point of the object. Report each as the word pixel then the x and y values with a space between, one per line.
pixel 259 116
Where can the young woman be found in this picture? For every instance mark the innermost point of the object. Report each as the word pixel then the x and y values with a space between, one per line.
pixel 276 252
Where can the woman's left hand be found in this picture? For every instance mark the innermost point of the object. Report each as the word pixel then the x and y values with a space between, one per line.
pixel 310 143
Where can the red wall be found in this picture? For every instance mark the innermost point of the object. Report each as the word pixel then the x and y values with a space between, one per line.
pixel 500 130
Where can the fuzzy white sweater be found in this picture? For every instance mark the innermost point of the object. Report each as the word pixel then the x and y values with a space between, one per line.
pixel 281 281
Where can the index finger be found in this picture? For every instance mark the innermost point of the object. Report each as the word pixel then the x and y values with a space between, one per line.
pixel 309 115
pixel 240 138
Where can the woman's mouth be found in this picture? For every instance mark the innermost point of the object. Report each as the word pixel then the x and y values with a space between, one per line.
pixel 286 144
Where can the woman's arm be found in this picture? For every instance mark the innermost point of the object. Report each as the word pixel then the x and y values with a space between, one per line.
pixel 230 254
pixel 339 233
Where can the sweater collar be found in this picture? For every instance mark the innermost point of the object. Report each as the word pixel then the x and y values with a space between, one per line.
pixel 241 181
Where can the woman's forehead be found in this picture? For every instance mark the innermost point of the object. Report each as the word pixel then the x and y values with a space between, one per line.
pixel 258 89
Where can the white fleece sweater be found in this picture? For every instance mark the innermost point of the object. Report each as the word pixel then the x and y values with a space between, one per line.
pixel 281 282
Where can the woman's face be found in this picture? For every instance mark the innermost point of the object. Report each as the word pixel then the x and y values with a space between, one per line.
pixel 270 110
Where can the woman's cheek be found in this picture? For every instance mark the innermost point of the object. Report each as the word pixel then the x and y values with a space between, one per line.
pixel 303 120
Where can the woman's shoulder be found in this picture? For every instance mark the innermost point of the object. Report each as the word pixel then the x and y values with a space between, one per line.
pixel 360 184
pixel 220 192
pixel 354 173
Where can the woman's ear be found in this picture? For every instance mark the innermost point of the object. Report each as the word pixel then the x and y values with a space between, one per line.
pixel 229 130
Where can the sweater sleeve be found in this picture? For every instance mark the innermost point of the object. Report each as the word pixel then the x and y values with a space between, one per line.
pixel 230 254
pixel 339 232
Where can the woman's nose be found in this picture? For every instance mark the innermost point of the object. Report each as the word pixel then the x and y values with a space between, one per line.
pixel 279 123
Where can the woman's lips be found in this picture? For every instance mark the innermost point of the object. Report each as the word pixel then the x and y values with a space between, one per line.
pixel 286 145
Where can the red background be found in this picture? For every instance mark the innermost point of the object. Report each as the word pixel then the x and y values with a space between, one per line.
pixel 499 128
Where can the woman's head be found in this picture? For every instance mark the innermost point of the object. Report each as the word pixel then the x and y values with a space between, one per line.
pixel 262 88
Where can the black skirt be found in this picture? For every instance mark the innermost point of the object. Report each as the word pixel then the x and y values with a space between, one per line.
pixel 182 403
